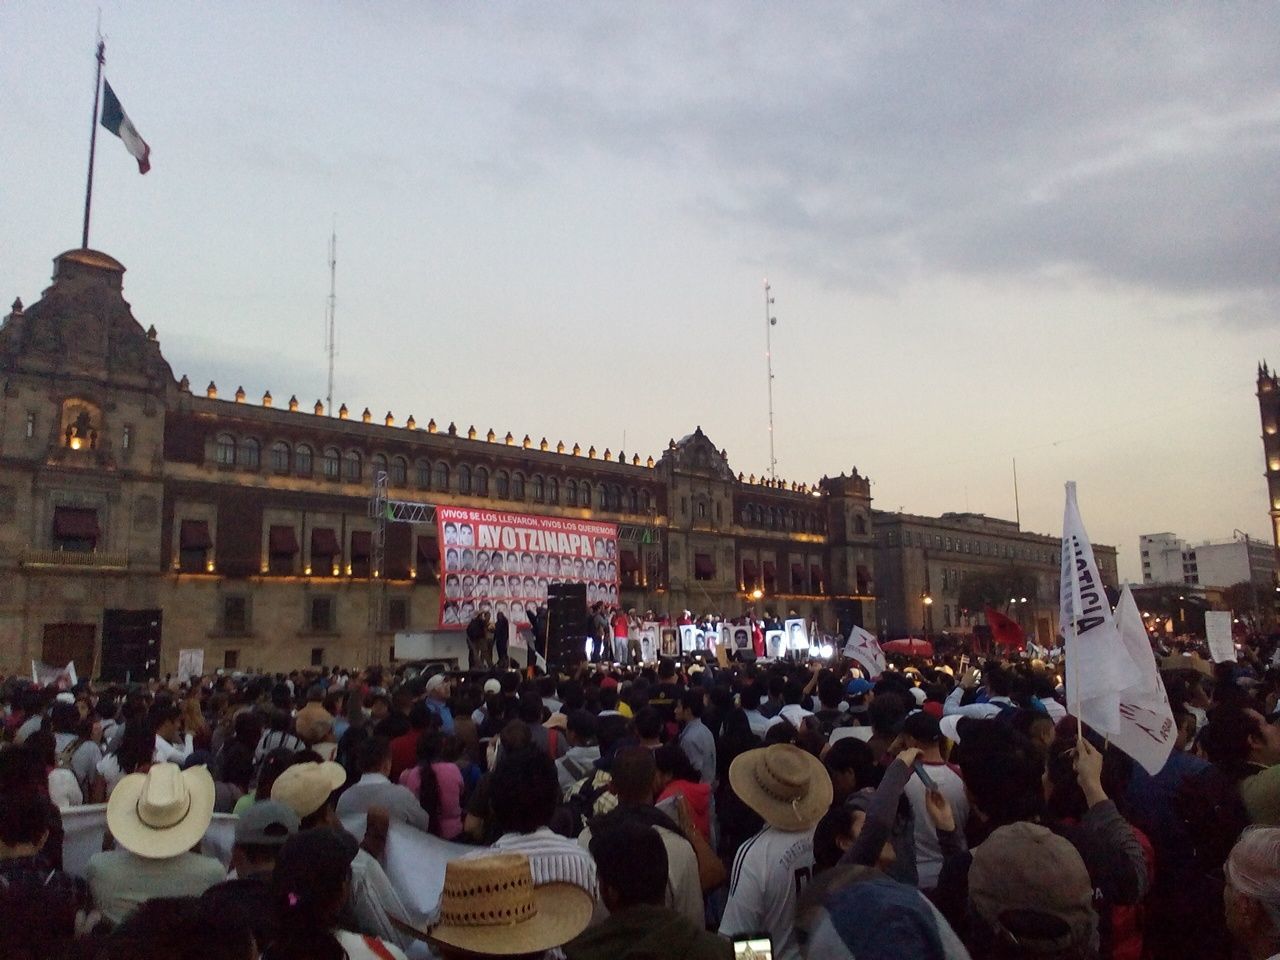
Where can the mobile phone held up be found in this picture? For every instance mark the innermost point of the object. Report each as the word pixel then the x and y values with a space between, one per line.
pixel 753 946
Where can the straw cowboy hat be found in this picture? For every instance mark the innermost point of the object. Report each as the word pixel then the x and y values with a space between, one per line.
pixel 313 723
pixel 304 787
pixel 490 906
pixel 787 786
pixel 163 812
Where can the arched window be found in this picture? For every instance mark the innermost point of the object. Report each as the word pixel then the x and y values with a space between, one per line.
pixel 571 493
pixel 602 500
pixel 423 470
pixel 539 488
pixel 250 453
pixel 481 482
pixel 225 450
pixel 280 457
pixel 859 525
pixel 399 471
pixel 442 476
pixel 746 514
pixel 353 467
pixel 464 479
pixel 553 490
pixel 331 463
pixel 584 494
pixel 646 501
pixel 517 486
pixel 302 460
pixel 379 464
pixel 700 509
pixel 633 500
pixel 615 498
pixel 502 485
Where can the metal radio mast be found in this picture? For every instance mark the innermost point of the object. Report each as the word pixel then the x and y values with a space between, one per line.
pixel 770 321
pixel 331 331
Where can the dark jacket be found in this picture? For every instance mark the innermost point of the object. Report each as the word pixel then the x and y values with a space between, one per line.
pixel 647 933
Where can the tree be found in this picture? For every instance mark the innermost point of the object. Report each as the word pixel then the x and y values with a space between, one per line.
pixel 995 588
pixel 1242 600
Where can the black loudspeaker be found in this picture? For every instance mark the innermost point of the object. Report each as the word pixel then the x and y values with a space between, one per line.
pixel 567 616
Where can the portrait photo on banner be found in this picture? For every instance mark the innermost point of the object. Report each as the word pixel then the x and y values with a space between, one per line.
pixel 670 642
pixel 505 563
pixel 797 636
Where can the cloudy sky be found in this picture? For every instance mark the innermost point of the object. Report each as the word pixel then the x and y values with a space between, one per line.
pixel 1042 231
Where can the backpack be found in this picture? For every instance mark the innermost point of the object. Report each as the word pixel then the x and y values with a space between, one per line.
pixel 63 760
pixel 1211 810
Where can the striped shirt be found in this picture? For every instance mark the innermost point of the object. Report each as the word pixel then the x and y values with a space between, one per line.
pixel 552 858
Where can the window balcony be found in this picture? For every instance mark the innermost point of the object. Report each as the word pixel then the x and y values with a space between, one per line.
pixel 91 559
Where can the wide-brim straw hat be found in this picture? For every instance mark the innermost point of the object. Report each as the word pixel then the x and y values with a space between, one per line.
pixel 313 723
pixel 787 786
pixel 163 812
pixel 491 906
pixel 304 787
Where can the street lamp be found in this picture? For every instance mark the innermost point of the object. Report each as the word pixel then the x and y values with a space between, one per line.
pixel 757 594
pixel 926 602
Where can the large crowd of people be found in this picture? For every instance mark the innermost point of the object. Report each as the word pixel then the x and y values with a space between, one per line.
pixel 679 808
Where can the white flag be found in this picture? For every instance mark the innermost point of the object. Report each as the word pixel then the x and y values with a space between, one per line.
pixel 1097 665
pixel 865 648
pixel 1147 730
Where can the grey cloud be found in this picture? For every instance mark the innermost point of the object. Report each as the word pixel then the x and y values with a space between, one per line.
pixel 1135 144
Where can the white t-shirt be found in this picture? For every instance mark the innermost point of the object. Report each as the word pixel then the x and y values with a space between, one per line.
pixel 64 789
pixel 928 851
pixel 109 770
pixel 769 874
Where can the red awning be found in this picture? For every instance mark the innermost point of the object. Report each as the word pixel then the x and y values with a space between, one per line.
pixel 282 541
pixel 324 543
pixel 194 535
pixel 815 574
pixel 428 550
pixel 76 523
pixel 628 562
pixel 361 544
pixel 703 566
pixel 748 569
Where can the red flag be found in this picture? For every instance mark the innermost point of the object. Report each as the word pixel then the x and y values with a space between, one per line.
pixel 1004 631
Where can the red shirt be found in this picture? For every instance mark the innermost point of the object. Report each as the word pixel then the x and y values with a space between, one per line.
pixel 620 626
pixel 404 753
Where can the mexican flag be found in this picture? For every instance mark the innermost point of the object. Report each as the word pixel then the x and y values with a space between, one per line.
pixel 117 121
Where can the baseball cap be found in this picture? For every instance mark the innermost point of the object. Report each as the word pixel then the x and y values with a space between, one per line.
pixel 436 682
pixel 858 686
pixel 492 685
pixel 922 727
pixel 304 787
pixel 919 695
pixel 1031 884
pixel 268 823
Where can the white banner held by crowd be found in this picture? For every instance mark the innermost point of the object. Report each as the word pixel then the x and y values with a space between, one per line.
pixel 45 675
pixel 1147 730
pixel 1098 666
pixel 1217 630
pixel 865 649
pixel 190 663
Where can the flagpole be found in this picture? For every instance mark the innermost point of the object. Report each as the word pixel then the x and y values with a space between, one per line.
pixel 93 143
